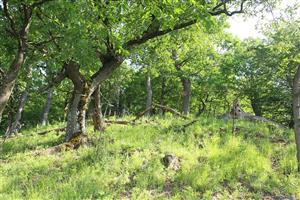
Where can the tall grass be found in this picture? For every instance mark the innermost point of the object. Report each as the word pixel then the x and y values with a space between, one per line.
pixel 125 163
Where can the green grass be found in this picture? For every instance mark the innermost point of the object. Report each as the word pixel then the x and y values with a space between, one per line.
pixel 125 163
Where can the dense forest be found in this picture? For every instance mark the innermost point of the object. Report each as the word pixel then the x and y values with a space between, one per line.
pixel 125 99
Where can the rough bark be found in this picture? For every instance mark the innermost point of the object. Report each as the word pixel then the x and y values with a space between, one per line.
pixel 149 95
pixel 78 103
pixel 9 80
pixel 99 124
pixel 77 113
pixel 47 106
pixel 296 112
pixel 186 95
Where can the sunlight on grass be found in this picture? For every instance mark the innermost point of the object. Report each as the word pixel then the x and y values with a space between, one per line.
pixel 126 163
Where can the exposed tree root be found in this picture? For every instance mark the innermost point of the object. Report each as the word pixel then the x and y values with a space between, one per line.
pixel 74 143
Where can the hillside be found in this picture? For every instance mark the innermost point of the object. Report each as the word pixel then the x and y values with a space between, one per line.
pixel 129 162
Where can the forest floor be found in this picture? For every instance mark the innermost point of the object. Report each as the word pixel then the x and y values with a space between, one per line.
pixel 154 160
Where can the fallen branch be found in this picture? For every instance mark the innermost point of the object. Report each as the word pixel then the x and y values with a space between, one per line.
pixel 171 110
pixel 55 129
pixel 141 114
pixel 182 128
pixel 123 122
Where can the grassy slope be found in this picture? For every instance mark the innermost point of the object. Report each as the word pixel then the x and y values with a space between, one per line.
pixel 126 163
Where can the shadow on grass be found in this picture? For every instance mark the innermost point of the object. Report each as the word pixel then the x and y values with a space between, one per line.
pixel 22 144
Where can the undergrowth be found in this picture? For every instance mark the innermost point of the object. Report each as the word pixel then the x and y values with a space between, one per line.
pixel 125 162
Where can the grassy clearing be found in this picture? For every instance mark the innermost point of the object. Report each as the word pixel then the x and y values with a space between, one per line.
pixel 125 163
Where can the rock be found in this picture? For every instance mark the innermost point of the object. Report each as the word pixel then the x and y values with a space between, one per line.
pixel 171 162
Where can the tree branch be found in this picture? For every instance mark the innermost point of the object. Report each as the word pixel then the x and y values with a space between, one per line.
pixel 108 66
pixel 52 37
pixel 42 43
pixel 10 19
pixel 56 80
pixel 215 10
pixel 73 73
pixel 39 3
pixel 150 34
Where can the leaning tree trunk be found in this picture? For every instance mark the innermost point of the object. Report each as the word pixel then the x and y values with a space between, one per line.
pixel 47 106
pixel 149 95
pixel 10 79
pixel 186 95
pixel 97 112
pixel 296 113
pixel 16 125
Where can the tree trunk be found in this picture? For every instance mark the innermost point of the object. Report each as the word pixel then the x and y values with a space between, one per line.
pixel 256 107
pixel 97 112
pixel 16 125
pixel 291 120
pixel 10 79
pixel 66 106
pixel 296 113
pixel 121 107
pixel 149 95
pixel 76 115
pixel 78 103
pixel 83 90
pixel 14 69
pixel 186 95
pixel 202 107
pixel 47 106
pixel 162 95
